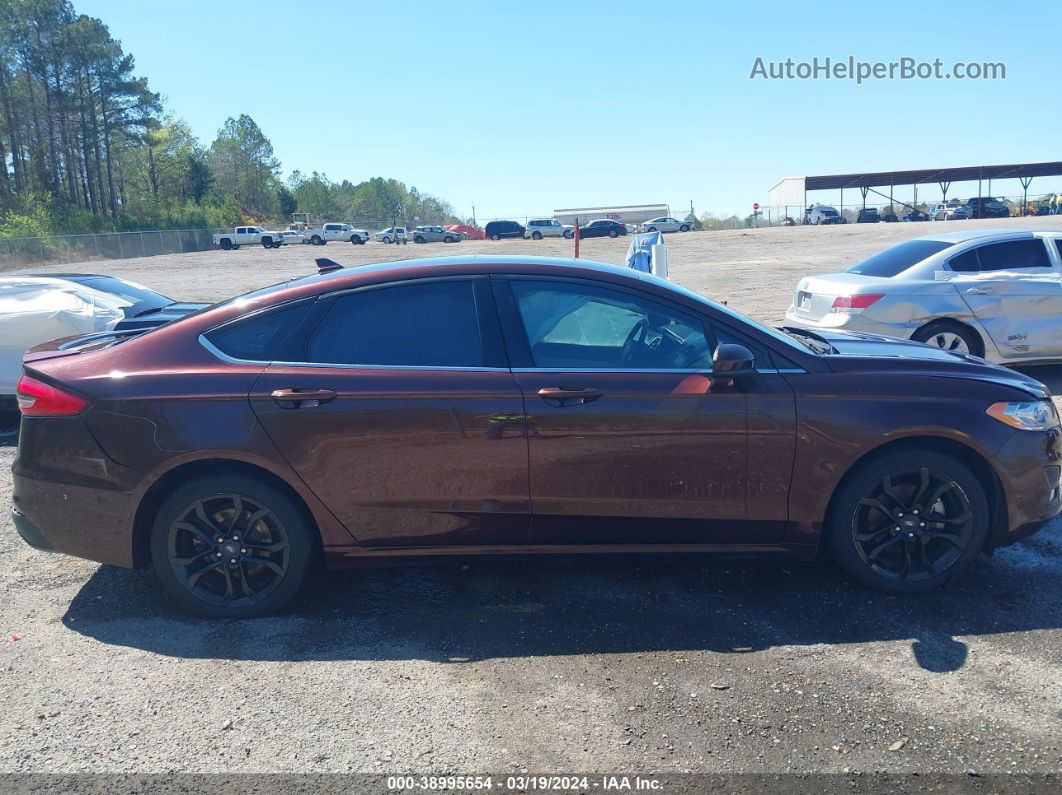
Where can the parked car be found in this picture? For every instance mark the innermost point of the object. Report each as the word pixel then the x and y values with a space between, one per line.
pixel 986 207
pixel 438 406
pixel 603 227
pixel 466 231
pixel 35 309
pixel 392 233
pixel 996 294
pixel 538 228
pixel 819 214
pixel 496 230
pixel 434 234
pixel 868 215
pixel 142 306
pixel 916 215
pixel 291 237
pixel 321 235
pixel 246 236
pixel 666 224
pixel 948 212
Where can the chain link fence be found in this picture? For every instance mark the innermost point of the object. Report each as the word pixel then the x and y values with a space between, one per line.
pixel 56 249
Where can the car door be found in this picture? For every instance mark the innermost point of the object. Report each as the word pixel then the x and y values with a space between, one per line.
pixel 399 411
pixel 631 438
pixel 1015 293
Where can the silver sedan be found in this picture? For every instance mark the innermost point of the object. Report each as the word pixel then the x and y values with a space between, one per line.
pixel 666 224
pixel 996 294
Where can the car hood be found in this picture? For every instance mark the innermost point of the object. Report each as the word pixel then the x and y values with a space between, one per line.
pixel 858 352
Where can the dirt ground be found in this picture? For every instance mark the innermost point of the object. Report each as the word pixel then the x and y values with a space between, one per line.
pixel 559 665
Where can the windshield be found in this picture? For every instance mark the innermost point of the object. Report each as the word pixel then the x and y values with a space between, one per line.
pixel 141 298
pixel 899 258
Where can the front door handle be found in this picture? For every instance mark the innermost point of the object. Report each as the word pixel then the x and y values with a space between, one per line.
pixel 301 398
pixel 979 291
pixel 567 396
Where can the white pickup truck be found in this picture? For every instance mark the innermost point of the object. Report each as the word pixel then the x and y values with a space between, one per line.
pixel 246 236
pixel 319 235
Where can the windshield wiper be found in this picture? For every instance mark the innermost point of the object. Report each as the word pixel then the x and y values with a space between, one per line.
pixel 816 342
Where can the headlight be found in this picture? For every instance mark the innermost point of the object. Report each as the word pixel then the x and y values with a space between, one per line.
pixel 1039 415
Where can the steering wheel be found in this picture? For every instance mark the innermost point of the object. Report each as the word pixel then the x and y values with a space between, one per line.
pixel 634 338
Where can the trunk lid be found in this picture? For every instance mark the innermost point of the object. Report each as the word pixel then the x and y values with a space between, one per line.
pixel 815 295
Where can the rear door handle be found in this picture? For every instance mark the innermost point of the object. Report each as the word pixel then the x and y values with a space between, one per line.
pixel 301 398
pixel 567 396
pixel 979 291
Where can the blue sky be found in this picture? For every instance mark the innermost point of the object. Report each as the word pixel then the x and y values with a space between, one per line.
pixel 524 108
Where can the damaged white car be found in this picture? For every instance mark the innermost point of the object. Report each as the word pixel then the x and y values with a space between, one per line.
pixel 995 294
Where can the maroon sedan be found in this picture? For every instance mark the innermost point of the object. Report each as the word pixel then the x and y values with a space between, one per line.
pixel 499 405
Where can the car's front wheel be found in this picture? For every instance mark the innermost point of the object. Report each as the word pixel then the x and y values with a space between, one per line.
pixel 613 233
pixel 908 521
pixel 684 228
pixel 231 546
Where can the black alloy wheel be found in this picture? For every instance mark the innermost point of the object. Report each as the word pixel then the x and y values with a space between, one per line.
pixel 909 521
pixel 231 547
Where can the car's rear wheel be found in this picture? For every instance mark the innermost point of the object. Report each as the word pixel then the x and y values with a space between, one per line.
pixel 908 522
pixel 419 239
pixel 495 237
pixel 317 240
pixel 226 243
pixel 950 335
pixel 651 229
pixel 231 546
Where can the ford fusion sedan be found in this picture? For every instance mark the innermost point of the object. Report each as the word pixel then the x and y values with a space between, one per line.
pixel 507 405
pixel 988 293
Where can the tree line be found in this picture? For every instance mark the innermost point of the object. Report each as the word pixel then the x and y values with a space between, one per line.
pixel 87 145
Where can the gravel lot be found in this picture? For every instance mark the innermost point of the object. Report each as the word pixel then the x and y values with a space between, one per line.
pixel 556 665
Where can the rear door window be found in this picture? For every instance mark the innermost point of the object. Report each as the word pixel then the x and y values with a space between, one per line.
pixel 426 324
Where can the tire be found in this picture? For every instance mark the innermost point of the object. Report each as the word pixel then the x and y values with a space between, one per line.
pixel 536 235
pixel 449 239
pixel 284 523
pixel 316 240
pixel 419 239
pixel 495 237
pixel 278 243
pixel 613 233
pixel 267 242
pixel 651 229
pixel 684 228
pixel 569 235
pixel 385 239
pixel 951 335
pixel 869 548
pixel 355 240
pixel 225 243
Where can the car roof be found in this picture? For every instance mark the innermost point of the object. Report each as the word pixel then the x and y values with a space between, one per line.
pixel 976 234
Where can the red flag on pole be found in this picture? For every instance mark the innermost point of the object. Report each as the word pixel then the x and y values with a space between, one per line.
pixel 576 236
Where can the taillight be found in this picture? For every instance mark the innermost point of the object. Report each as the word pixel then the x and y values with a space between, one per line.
pixel 37 399
pixel 849 302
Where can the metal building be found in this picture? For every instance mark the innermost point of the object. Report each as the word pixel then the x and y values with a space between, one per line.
pixel 632 214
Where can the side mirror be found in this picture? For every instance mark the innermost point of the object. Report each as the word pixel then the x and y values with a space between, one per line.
pixel 733 361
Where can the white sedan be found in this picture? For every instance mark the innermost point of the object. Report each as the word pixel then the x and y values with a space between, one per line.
pixel 666 224
pixel 995 294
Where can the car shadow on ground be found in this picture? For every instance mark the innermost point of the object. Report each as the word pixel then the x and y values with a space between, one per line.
pixel 459 611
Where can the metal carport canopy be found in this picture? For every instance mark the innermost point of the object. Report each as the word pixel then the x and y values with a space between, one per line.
pixel 930 175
